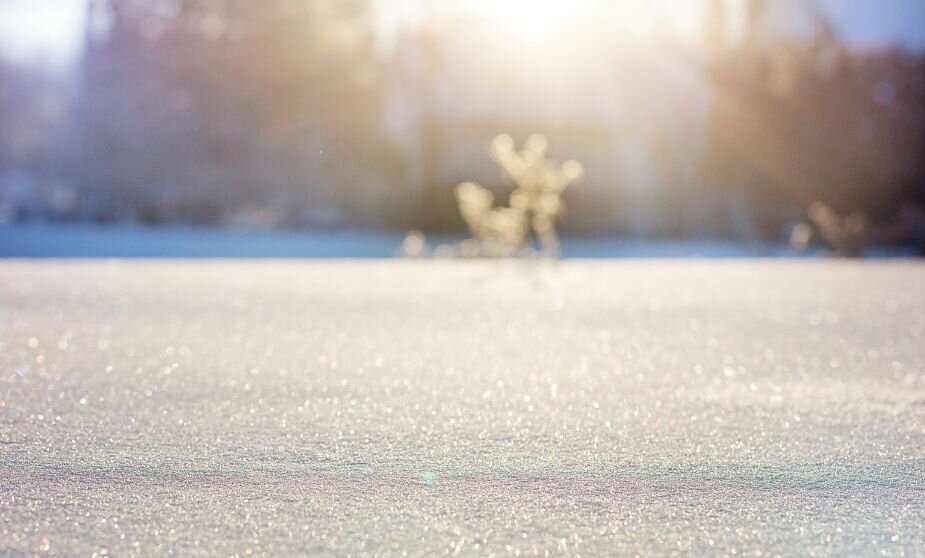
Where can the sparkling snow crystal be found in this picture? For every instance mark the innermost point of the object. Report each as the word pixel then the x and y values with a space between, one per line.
pixel 479 408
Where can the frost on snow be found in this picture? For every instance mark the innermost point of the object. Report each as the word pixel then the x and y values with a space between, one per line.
pixel 428 408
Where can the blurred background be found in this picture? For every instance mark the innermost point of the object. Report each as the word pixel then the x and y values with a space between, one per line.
pixel 704 119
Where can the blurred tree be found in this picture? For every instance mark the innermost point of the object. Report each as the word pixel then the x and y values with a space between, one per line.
pixel 32 106
pixel 195 109
pixel 797 121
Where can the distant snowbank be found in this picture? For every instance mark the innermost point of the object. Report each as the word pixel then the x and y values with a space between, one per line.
pixel 86 241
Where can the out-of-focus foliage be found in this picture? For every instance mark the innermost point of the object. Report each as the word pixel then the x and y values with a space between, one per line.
pixel 294 113
pixel 32 111
pixel 499 231
pixel 851 235
pixel 797 122
pixel 535 203
pixel 209 110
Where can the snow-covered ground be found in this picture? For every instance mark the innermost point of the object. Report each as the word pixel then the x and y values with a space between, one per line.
pixel 436 407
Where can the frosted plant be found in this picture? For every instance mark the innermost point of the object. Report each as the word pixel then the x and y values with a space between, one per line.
pixel 850 236
pixel 499 231
pixel 847 236
pixel 535 203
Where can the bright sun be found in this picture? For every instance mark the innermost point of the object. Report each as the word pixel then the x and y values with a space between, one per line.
pixel 539 20
pixel 530 20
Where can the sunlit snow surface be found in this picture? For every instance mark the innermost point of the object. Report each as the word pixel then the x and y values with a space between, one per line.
pixel 425 408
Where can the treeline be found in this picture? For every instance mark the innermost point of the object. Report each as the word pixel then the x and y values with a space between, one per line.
pixel 798 123
pixel 271 114
pixel 215 111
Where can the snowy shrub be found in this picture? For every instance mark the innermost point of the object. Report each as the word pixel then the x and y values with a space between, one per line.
pixel 845 236
pixel 534 205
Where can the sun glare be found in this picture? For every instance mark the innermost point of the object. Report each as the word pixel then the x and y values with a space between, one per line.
pixel 529 20
pixel 540 20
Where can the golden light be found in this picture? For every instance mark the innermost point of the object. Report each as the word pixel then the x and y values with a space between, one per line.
pixel 528 20
pixel 540 20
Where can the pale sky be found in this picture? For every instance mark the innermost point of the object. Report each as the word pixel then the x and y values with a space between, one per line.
pixel 52 29
pixel 876 22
